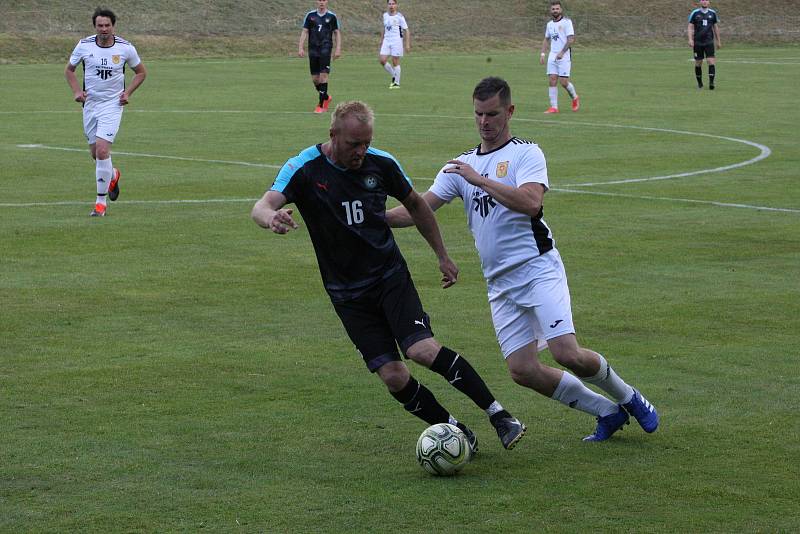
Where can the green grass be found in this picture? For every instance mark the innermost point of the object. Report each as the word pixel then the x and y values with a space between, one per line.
pixel 174 367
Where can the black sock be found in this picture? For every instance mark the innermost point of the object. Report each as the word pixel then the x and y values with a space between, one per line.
pixel 712 72
pixel 698 73
pixel 323 92
pixel 419 401
pixel 457 370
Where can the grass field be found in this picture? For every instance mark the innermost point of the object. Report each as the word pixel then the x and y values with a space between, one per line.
pixel 173 367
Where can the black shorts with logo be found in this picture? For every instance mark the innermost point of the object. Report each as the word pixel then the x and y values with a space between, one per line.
pixel 703 51
pixel 321 63
pixel 385 316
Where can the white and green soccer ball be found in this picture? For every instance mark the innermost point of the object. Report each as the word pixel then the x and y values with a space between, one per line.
pixel 443 449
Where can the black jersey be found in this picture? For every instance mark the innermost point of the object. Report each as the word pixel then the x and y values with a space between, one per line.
pixel 345 212
pixel 703 25
pixel 320 32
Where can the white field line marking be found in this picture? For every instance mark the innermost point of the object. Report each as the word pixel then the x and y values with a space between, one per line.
pixel 764 150
pixel 764 153
pixel 772 61
pixel 149 202
pixel 558 190
pixel 670 199
pixel 140 155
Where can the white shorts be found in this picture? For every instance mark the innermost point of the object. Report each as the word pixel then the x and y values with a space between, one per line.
pixel 101 120
pixel 560 67
pixel 531 303
pixel 391 49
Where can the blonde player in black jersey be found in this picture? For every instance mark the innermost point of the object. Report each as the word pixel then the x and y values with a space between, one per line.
pixel 340 188
pixel 502 183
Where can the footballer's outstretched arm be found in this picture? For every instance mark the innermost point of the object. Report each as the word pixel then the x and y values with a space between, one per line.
pixel 400 218
pixel 422 215
pixel 269 213
pixel 526 198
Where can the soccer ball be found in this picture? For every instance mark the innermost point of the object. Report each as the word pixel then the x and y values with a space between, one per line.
pixel 443 449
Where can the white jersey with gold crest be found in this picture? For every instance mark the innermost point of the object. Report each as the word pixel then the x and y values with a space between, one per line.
pixel 505 239
pixel 104 67
pixel 394 27
pixel 558 32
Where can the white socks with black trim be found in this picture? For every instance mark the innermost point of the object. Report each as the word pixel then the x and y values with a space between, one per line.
pixel 573 393
pixel 104 172
pixel 610 382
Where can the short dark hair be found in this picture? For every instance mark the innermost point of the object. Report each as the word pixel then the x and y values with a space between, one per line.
pixel 488 87
pixel 103 12
pixel 556 3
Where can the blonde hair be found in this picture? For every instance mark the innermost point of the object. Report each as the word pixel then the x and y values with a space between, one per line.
pixel 353 108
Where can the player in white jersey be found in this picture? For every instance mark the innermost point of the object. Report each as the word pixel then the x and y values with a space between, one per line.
pixel 395 39
pixel 502 183
pixel 559 35
pixel 103 94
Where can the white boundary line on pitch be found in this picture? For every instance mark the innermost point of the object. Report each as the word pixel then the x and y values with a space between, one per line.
pixel 764 153
pixel 555 189
pixel 754 61
pixel 141 155
pixel 671 199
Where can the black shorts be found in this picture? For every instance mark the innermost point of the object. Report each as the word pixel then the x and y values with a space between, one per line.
pixel 703 51
pixel 387 315
pixel 318 64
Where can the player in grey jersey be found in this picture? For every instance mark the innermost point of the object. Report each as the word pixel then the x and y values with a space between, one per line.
pixel 502 183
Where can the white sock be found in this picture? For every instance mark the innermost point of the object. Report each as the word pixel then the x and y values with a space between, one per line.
pixel 571 90
pixel 573 393
pixel 610 382
pixel 103 173
pixel 494 408
pixel 397 75
pixel 554 97
pixel 388 68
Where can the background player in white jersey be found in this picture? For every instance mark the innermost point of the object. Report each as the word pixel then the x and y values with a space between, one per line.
pixel 502 183
pixel 559 35
pixel 395 35
pixel 104 56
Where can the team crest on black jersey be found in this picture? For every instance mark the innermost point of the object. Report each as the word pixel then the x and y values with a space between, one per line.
pixel 371 182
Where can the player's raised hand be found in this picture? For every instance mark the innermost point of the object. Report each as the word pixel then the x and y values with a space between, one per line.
pixel 465 171
pixel 449 272
pixel 282 222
